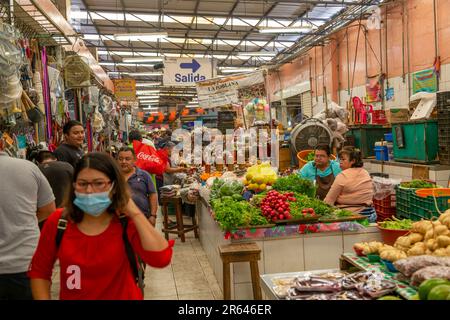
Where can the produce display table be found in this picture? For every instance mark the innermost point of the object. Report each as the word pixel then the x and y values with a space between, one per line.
pixel 284 248
pixel 403 287
pixel 267 280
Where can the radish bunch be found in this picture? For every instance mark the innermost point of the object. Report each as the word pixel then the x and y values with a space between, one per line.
pixel 275 206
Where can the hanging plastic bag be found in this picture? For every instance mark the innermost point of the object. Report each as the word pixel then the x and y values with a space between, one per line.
pixel 149 159
pixel 383 187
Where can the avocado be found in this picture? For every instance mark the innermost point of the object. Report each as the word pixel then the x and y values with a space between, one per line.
pixel 426 286
pixel 439 292
pixel 389 298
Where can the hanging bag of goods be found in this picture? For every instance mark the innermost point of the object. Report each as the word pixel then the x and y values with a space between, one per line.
pixel 76 72
pixel 34 114
pixel 149 159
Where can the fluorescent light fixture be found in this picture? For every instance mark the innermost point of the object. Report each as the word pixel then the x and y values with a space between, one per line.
pixel 236 69
pixel 151 96
pixel 145 92
pixel 121 64
pixel 148 84
pixel 140 36
pixel 258 54
pixel 143 59
pixel 300 29
pixel 151 108
pixel 144 74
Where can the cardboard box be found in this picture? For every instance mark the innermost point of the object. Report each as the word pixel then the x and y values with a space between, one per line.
pixel 397 115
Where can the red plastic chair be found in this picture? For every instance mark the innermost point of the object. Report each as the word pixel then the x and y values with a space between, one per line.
pixel 361 110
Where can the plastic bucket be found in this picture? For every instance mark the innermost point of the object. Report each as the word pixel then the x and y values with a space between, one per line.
pixel 389 236
pixel 301 156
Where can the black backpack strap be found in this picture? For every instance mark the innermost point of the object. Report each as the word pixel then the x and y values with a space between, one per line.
pixel 61 227
pixel 128 248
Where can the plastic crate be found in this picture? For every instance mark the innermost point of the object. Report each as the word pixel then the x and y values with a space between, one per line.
pixel 443 98
pixel 403 201
pixel 425 208
pixel 385 208
pixel 379 117
pixel 444 154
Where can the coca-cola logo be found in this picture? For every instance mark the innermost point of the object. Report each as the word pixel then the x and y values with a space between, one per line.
pixel 148 157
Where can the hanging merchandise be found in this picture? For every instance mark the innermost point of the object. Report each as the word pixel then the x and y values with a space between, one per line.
pixel 185 112
pixel 373 89
pixel 425 80
pixel 10 62
pixel 76 72
pixel 160 117
pixel 172 116
pixel 97 121
pixel 46 92
pixel 34 114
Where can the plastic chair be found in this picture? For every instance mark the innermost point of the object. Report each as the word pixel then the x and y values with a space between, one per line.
pixel 361 110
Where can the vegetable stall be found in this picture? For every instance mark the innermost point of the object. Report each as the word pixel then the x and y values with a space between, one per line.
pixel 294 230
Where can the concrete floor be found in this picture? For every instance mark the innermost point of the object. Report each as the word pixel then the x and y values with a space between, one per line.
pixel 188 277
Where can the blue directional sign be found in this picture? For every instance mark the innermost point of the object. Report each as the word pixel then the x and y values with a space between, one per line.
pixel 194 65
pixel 187 71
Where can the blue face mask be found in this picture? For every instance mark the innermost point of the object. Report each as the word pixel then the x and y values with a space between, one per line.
pixel 93 204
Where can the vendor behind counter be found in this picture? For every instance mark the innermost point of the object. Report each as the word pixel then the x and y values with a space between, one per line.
pixel 322 170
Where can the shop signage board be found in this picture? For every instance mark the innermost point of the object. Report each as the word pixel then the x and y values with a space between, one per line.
pixel 187 71
pixel 222 91
pixel 125 89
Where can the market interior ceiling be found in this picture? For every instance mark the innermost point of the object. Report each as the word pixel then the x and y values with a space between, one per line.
pixel 238 34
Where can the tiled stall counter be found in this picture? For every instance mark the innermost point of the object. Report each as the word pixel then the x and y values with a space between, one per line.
pixel 283 248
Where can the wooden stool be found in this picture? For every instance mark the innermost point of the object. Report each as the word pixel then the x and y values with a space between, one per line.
pixel 180 227
pixel 240 252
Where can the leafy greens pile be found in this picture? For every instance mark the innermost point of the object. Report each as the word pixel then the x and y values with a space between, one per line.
pixel 295 184
pixel 231 214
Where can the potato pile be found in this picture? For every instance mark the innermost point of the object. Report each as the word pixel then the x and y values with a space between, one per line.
pixel 430 238
pixel 426 238
pixel 385 251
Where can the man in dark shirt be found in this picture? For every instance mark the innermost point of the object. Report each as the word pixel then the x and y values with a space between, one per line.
pixel 70 151
pixel 142 188
pixel 58 173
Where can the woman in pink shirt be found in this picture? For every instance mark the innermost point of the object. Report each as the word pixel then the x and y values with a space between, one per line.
pixel 353 188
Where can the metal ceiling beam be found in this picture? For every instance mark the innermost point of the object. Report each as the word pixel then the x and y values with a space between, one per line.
pixel 313 2
pixel 230 14
pixel 205 13
pixel 253 28
pixel 197 3
pixel 334 25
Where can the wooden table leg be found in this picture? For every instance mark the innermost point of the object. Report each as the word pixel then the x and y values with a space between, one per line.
pixel 194 223
pixel 226 281
pixel 166 219
pixel 255 280
pixel 180 224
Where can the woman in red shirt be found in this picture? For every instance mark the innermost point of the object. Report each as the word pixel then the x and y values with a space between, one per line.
pixel 92 255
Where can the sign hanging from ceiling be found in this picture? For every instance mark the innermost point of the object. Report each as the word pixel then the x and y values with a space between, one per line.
pixel 187 71
pixel 125 89
pixel 228 90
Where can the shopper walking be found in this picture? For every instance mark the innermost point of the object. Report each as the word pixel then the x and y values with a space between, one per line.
pixel 141 185
pixel 92 250
pixel 58 173
pixel 71 150
pixel 25 199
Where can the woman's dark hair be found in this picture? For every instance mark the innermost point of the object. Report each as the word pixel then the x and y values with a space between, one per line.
pixel 353 154
pixel 134 135
pixel 69 125
pixel 44 155
pixel 324 147
pixel 104 163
